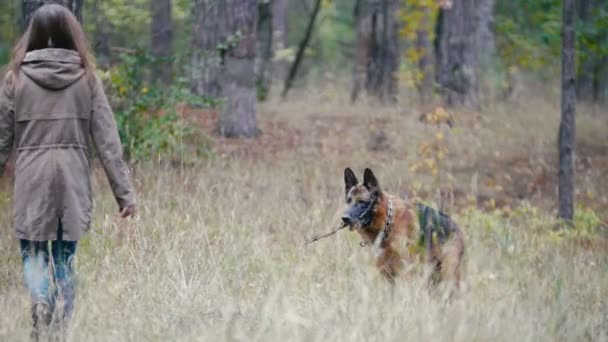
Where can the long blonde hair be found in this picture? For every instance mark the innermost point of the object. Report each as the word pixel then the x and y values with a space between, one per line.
pixel 52 26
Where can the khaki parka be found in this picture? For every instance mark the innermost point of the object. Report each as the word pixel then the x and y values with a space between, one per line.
pixel 51 113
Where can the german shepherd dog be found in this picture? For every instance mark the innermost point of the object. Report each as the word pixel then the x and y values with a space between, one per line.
pixel 401 233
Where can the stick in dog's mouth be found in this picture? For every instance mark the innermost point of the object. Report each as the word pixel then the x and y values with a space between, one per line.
pixel 321 236
pixel 355 226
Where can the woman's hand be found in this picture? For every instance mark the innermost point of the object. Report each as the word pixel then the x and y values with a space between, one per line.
pixel 128 211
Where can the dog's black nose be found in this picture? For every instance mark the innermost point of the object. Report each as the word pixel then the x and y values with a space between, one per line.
pixel 346 220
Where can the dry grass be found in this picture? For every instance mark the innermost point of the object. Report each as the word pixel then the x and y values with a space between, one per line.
pixel 216 252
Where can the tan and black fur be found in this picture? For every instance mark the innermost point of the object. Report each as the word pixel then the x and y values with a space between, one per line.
pixel 439 244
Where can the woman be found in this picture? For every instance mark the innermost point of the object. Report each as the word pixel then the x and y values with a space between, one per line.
pixel 50 105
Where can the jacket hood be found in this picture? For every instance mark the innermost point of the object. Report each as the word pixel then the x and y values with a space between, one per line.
pixel 53 68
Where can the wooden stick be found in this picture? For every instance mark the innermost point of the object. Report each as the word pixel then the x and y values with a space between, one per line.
pixel 322 236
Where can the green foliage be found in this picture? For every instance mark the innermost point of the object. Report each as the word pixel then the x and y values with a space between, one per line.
pixel 586 219
pixel 585 228
pixel 528 34
pixel 129 20
pixel 417 15
pixel 261 90
pixel 336 28
pixel 331 49
pixel 8 29
pixel 129 24
pixel 150 124
pixel 592 36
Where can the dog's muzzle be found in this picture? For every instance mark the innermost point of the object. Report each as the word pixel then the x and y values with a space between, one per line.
pixel 358 215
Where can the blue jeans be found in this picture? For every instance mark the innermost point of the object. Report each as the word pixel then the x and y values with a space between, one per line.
pixel 35 256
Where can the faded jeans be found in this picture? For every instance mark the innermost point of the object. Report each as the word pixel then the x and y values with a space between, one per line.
pixel 36 261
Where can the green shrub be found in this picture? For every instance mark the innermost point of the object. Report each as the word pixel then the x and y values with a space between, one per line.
pixel 149 122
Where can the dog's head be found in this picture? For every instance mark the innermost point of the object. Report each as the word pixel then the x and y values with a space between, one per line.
pixel 360 198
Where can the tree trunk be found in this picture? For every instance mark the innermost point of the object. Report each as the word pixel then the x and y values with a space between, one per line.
pixel 101 35
pixel 28 9
pixel 263 62
pixel 363 42
pixel 567 124
pixel 389 61
pixel 438 45
pixel 161 36
pixel 600 82
pixel 223 61
pixel 238 115
pixel 377 59
pixel 301 48
pixel 76 7
pixel 279 38
pixel 209 34
pixel 458 66
pixel 486 45
pixel 425 64
pixel 30 6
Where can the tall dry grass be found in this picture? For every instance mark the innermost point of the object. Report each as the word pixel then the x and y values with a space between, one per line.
pixel 216 252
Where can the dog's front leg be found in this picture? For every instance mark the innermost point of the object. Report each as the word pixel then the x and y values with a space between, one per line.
pixel 388 263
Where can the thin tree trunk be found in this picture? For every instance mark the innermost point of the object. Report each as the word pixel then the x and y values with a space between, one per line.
pixel 438 45
pixel 567 124
pixel 486 45
pixel 161 36
pixel 373 77
pixel 363 27
pixel 425 64
pixel 301 48
pixel 238 115
pixel 458 66
pixel 600 82
pixel 279 38
pixel 391 52
pixel 76 7
pixel 101 35
pixel 263 63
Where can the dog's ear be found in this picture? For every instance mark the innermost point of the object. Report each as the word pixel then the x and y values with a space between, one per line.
pixel 350 179
pixel 370 181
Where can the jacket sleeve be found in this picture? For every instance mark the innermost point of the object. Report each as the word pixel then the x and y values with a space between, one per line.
pixel 104 133
pixel 7 121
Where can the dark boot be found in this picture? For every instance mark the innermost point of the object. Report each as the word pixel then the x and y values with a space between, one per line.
pixel 41 316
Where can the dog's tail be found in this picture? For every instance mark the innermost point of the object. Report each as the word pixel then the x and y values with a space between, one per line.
pixel 436 226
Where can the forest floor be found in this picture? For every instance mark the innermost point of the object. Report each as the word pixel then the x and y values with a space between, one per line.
pixel 505 154
pixel 216 251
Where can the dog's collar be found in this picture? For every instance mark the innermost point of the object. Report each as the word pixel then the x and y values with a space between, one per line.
pixel 383 235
